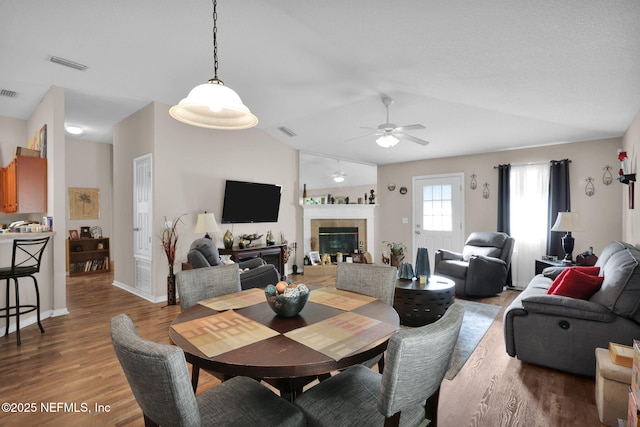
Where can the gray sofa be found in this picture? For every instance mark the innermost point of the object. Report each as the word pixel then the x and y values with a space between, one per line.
pixel 204 253
pixel 561 332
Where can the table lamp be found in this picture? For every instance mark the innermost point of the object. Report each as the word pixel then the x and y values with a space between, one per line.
pixel 567 222
pixel 206 224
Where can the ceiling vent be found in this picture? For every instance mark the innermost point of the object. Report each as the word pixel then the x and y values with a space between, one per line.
pixel 287 131
pixel 67 63
pixel 8 93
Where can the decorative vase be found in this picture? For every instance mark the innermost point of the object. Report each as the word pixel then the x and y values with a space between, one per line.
pixel 171 287
pixel 227 239
pixel 270 239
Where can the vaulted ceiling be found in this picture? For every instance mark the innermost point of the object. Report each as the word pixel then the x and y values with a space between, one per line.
pixel 480 76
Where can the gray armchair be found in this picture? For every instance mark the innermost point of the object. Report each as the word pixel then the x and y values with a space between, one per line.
pixel 204 253
pixel 483 266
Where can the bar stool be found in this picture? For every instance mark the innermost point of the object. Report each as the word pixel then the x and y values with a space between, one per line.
pixel 25 262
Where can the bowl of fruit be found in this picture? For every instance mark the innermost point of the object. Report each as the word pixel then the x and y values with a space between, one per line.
pixel 287 299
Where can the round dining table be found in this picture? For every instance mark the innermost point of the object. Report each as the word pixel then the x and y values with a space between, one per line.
pixel 286 364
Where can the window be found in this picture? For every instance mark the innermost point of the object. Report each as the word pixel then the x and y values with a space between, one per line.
pixel 437 208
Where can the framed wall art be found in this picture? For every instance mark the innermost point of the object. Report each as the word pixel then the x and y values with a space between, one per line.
pixel 84 203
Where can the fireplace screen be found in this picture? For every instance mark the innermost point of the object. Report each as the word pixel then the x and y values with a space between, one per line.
pixel 338 239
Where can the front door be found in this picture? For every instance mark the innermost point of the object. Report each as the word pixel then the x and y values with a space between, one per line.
pixel 438 218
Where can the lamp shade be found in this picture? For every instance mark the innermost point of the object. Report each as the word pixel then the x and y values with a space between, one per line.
pixel 215 106
pixel 206 224
pixel 387 141
pixel 568 221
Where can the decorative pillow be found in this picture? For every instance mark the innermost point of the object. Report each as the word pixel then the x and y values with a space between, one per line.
pixel 576 284
pixel 591 271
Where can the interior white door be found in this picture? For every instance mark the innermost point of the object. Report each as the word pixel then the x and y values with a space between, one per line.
pixel 142 220
pixel 438 218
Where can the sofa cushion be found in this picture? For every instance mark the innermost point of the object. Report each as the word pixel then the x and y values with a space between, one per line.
pixel 453 268
pixel 577 284
pixel 620 291
pixel 591 271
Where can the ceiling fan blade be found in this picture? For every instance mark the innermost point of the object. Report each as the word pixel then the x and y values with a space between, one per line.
pixel 361 136
pixel 411 138
pixel 409 127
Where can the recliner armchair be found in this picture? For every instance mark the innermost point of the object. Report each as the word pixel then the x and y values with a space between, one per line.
pixel 204 253
pixel 483 266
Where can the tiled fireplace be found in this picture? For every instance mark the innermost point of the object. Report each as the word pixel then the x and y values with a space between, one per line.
pixel 337 228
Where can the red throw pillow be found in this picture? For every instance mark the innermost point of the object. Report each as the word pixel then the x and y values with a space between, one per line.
pixel 577 284
pixel 591 271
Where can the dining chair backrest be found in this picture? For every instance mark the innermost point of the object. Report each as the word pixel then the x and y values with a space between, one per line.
pixel 201 283
pixel 417 360
pixel 158 375
pixel 378 281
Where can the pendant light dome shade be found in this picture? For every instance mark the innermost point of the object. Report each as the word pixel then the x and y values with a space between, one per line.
pixel 213 105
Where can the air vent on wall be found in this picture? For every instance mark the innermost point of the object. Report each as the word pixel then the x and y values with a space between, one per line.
pixel 8 93
pixel 287 131
pixel 68 63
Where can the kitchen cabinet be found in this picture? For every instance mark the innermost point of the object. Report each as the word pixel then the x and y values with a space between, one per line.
pixel 24 185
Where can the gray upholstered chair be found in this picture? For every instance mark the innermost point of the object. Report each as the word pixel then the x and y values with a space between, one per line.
pixel 378 281
pixel 204 253
pixel 482 268
pixel 416 362
pixel 159 379
pixel 203 283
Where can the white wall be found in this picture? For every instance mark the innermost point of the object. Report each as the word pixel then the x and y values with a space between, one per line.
pixel 600 213
pixel 190 166
pixel 90 165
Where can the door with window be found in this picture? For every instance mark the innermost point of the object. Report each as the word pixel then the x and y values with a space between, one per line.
pixel 438 217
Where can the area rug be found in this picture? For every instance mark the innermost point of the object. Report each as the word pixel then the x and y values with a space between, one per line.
pixel 477 319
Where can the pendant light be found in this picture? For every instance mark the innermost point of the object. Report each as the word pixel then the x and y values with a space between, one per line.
pixel 214 105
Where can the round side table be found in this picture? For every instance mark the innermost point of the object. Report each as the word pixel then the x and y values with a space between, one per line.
pixel 420 304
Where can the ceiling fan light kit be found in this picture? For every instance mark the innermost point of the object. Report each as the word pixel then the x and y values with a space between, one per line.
pixel 213 105
pixel 387 141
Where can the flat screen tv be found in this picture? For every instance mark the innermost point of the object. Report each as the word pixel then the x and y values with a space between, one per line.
pixel 246 202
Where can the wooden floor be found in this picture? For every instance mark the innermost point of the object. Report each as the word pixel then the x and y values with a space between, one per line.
pixel 70 375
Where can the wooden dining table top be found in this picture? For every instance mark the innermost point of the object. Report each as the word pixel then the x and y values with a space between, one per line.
pixel 280 356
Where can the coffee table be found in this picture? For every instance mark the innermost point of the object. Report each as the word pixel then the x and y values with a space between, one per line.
pixel 419 304
pixel 281 361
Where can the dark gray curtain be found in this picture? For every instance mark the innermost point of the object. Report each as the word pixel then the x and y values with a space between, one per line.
pixel 504 208
pixel 559 201
pixel 504 199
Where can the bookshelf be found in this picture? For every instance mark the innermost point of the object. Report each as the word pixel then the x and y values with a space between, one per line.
pixel 87 256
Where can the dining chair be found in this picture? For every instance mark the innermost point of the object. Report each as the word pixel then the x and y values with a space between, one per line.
pixel 378 281
pixel 159 378
pixel 404 394
pixel 26 259
pixel 203 283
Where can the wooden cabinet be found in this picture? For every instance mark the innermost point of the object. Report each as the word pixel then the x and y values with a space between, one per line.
pixel 24 185
pixel 86 256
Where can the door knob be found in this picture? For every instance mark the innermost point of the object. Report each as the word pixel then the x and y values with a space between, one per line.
pixel 136 229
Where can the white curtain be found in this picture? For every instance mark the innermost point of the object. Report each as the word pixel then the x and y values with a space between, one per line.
pixel 529 192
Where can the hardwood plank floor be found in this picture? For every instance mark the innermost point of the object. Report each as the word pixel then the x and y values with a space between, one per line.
pixel 73 364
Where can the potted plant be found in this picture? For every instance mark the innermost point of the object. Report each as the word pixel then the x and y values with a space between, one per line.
pixel 396 252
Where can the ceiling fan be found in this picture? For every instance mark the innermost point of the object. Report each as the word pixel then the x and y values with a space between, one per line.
pixel 338 176
pixel 389 134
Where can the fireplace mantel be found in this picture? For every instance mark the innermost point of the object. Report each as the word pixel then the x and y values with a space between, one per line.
pixel 350 211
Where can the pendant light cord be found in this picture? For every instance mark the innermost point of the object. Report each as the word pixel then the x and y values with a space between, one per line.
pixel 215 43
